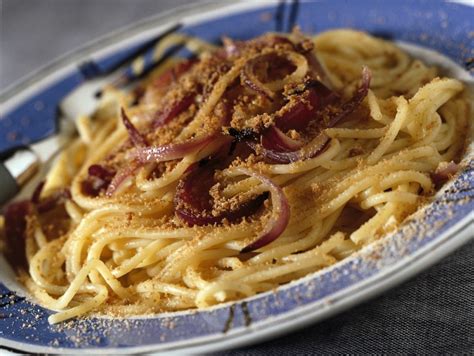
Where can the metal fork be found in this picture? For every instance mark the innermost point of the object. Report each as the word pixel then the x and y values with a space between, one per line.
pixel 23 163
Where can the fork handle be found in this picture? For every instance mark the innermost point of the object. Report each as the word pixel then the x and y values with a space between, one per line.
pixel 15 172
pixel 8 185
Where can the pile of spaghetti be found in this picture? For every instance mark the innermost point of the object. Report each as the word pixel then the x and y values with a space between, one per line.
pixel 230 174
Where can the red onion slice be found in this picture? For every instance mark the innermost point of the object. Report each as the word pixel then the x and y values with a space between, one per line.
pixel 305 46
pixel 120 178
pixel 135 136
pixel 303 112
pixel 349 106
pixel 249 78
pixel 35 197
pixel 15 231
pixel 158 86
pixel 280 215
pixel 248 208
pixel 317 69
pixel 143 155
pixel 99 179
pixel 52 201
pixel 443 173
pixel 173 74
pixel 317 145
pixel 100 171
pixel 276 140
pixel 49 202
pixel 163 117
pixel 193 203
pixel 173 150
pixel 197 219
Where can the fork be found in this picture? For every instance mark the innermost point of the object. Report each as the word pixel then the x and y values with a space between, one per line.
pixel 23 162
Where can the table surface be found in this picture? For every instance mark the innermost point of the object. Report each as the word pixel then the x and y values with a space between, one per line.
pixel 431 313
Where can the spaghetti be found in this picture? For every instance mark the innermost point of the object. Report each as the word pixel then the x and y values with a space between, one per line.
pixel 230 174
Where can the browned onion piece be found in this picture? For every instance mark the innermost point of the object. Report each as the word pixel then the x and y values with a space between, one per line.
pixel 120 177
pixel 317 145
pixel 300 114
pixel 159 85
pixel 49 202
pixel 15 215
pixel 143 155
pixel 176 108
pixel 98 179
pixel 280 215
pixel 174 73
pixel 276 140
pixel 317 70
pixel 136 137
pixel 53 200
pixel 193 203
pixel 357 99
pixel 100 171
pixel 249 78
pixel 306 47
pixel 301 68
pixel 35 197
pixel 173 150
pixel 443 173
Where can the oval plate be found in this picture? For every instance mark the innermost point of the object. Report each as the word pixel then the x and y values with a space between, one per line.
pixel 424 238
